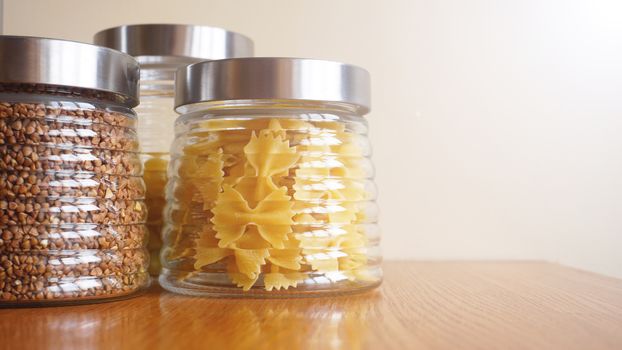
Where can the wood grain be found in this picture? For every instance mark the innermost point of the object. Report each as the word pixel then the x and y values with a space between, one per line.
pixel 421 305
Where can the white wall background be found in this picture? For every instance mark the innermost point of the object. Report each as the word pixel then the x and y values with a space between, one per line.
pixel 496 123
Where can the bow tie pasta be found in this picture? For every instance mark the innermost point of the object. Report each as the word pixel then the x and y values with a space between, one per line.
pixel 270 202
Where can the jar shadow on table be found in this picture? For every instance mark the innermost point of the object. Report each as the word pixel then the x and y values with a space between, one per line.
pixel 336 322
pixel 162 320
pixel 111 325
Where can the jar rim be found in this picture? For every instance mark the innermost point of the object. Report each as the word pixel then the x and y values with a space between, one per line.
pixel 71 64
pixel 263 105
pixel 273 78
pixel 175 43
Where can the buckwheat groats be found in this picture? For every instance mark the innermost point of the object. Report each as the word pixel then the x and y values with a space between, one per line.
pixel 72 207
pixel 72 198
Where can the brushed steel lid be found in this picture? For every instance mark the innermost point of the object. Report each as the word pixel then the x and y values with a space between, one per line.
pixel 175 43
pixel 272 78
pixel 33 60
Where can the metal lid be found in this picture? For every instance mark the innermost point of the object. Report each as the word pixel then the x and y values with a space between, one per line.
pixel 34 60
pixel 273 78
pixel 175 43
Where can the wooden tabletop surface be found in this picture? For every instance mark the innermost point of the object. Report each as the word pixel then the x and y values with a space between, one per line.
pixel 421 305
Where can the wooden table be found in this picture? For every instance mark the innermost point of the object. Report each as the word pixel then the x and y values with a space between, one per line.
pixel 421 305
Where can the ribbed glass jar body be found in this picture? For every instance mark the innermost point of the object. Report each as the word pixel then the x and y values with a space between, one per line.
pixel 72 207
pixel 156 133
pixel 270 198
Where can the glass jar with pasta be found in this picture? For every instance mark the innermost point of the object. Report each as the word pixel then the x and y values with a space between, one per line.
pixel 270 189
pixel 161 49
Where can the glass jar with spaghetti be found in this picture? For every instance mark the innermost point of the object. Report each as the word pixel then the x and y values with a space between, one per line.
pixel 270 190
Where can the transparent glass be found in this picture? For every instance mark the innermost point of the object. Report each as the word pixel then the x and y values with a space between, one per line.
pixel 72 200
pixel 270 199
pixel 156 133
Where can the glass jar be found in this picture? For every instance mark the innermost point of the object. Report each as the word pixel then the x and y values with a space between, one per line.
pixel 161 49
pixel 270 189
pixel 72 207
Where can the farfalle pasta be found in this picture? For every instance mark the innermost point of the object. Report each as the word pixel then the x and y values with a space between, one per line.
pixel 273 202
